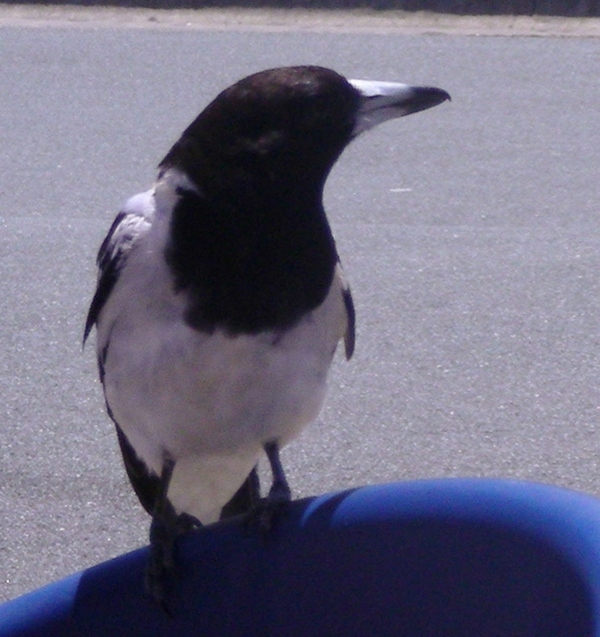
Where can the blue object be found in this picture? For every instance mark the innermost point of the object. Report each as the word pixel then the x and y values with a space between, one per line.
pixel 433 558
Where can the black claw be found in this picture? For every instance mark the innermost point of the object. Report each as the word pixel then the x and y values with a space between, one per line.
pixel 157 580
pixel 187 523
pixel 263 518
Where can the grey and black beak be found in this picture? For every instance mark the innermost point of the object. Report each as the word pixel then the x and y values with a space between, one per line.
pixel 381 101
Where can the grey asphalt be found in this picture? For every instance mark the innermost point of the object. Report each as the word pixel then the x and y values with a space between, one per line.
pixel 470 234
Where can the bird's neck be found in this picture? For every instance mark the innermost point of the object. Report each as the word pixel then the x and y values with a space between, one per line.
pixel 252 257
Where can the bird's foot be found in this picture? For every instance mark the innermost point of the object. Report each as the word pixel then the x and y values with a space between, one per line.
pixel 267 512
pixel 161 568
pixel 166 526
pixel 187 523
pixel 161 562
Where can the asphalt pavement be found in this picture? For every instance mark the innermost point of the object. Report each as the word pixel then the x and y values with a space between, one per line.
pixel 470 234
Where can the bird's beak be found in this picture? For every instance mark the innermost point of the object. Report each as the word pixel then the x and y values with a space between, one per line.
pixel 387 100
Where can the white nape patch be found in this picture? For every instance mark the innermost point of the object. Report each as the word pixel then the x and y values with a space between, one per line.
pixel 177 179
pixel 165 196
pixel 167 191
pixel 141 204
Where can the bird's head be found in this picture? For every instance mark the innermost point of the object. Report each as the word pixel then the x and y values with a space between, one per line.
pixel 292 120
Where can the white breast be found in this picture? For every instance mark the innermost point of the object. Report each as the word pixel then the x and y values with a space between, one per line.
pixel 210 401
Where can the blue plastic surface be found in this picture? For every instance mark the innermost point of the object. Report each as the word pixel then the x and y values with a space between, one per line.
pixel 435 558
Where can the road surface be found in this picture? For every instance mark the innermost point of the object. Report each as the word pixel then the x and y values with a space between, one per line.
pixel 470 234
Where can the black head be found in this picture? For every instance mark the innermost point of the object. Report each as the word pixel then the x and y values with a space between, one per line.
pixel 277 122
pixel 285 122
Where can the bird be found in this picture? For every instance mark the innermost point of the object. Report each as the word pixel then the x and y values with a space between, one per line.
pixel 221 300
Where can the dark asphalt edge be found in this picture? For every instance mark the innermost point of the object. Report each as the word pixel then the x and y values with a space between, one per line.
pixel 563 8
pixel 263 19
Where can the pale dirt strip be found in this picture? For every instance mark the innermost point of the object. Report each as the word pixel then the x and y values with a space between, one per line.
pixel 281 20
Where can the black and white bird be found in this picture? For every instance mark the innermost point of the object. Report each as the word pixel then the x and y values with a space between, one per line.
pixel 220 299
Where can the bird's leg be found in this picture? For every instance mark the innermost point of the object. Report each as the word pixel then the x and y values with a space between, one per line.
pixel 164 528
pixel 280 494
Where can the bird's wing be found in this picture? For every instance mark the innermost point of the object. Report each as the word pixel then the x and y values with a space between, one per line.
pixel 130 224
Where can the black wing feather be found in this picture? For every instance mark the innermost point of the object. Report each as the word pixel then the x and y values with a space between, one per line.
pixel 145 483
pixel 350 335
pixel 128 225
pixel 245 499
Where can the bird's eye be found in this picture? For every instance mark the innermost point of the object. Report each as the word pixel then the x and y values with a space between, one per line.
pixel 269 141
